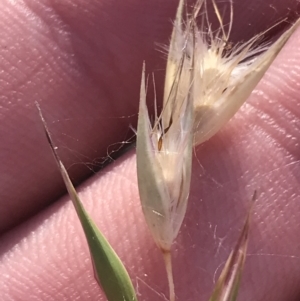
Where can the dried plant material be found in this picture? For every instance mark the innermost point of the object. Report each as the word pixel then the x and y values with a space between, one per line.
pixel 227 286
pixel 224 75
pixel 164 157
pixel 108 268
pixel 206 83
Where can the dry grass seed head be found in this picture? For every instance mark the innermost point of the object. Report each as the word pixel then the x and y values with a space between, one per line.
pixel 223 75
pixel 207 80
pixel 164 154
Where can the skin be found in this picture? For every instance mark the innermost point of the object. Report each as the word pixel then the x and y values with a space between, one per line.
pixel 82 63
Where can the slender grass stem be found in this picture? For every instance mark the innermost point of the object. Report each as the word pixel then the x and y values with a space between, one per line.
pixel 168 263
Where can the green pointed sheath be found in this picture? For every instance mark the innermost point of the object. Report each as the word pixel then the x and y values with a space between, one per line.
pixel 108 268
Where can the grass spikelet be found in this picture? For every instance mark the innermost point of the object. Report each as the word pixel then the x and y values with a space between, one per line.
pixel 224 75
pixel 227 286
pixel 206 83
pixel 164 157
pixel 109 271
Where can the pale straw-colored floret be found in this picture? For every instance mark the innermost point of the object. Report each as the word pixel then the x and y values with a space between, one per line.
pixel 224 75
pixel 164 158
pixel 164 155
